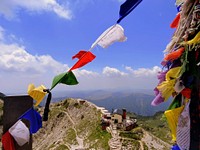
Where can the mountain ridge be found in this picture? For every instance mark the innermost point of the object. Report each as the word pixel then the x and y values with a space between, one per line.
pixel 135 101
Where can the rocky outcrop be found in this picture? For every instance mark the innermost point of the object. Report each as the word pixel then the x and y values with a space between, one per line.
pixel 72 125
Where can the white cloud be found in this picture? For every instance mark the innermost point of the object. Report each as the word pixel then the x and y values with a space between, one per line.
pixel 9 8
pixel 18 68
pixel 85 73
pixel 15 58
pixel 112 72
pixel 113 78
pixel 144 71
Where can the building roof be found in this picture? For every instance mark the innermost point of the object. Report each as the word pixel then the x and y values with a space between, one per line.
pixel 118 111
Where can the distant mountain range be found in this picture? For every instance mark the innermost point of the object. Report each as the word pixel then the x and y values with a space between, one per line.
pixel 138 101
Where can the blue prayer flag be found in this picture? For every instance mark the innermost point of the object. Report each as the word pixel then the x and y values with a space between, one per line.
pixel 175 147
pixel 34 119
pixel 126 8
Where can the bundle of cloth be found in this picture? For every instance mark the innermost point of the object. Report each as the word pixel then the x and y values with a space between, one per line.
pixel 180 77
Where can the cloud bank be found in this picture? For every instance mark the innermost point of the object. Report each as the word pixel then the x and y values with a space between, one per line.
pixel 10 8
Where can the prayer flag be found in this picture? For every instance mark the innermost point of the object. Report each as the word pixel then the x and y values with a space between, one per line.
pixel 112 34
pixel 177 102
pixel 158 99
pixel 175 147
pixel 186 92
pixel 37 94
pixel 126 8
pixel 166 88
pixel 86 58
pixel 20 133
pixel 79 54
pixel 174 55
pixel 178 87
pixel 175 22
pixel 172 119
pixel 46 109
pixel 64 78
pixel 195 40
pixel 34 119
pixel 7 141
pixel 183 129
pixel 179 3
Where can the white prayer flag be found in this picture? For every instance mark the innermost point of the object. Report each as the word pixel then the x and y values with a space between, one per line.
pixel 20 133
pixel 183 129
pixel 178 87
pixel 113 34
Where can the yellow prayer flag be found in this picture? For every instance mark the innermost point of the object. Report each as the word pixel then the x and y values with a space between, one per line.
pixel 37 93
pixel 172 119
pixel 173 73
pixel 193 41
pixel 167 87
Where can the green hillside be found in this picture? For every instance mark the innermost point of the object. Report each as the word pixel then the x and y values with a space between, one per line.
pixel 157 125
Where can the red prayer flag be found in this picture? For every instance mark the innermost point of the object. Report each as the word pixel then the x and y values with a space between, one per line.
pixel 186 92
pixel 86 58
pixel 7 141
pixel 175 22
pixel 175 54
pixel 79 54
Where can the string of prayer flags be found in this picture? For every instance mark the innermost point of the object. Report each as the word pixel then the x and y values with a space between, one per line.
pixel 34 119
pixel 112 34
pixel 85 59
pixel 67 78
pixel 127 7
pixel 37 94
pixel 183 115
pixel 7 141
pixel 20 133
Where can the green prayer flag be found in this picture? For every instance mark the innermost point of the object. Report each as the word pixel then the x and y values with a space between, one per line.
pixel 64 78
pixel 176 103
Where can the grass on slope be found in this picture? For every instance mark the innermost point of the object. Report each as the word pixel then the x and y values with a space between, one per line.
pixel 100 137
pixel 135 134
pixel 97 137
pixel 156 125
pixel 87 124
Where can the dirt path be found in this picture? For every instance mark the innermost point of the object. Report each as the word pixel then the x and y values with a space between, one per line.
pixel 141 145
pixel 79 140
pixel 154 142
pixel 114 142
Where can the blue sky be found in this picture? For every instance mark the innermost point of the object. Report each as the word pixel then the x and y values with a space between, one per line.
pixel 38 39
